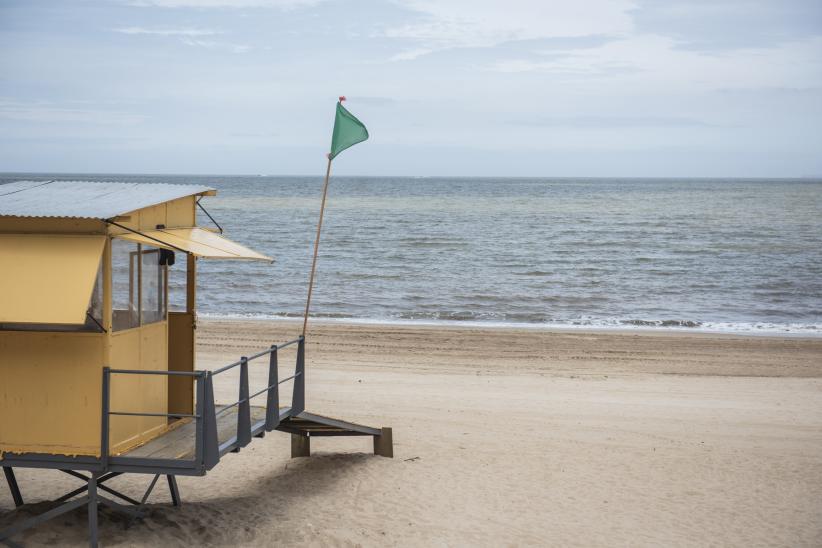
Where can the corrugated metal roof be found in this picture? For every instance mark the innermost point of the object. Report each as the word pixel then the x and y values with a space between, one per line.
pixel 86 199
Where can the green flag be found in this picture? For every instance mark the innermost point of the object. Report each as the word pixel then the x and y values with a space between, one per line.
pixel 348 131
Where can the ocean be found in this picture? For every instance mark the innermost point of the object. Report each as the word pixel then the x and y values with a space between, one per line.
pixel 736 255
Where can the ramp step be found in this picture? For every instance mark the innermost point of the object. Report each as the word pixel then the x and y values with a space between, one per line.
pixel 328 426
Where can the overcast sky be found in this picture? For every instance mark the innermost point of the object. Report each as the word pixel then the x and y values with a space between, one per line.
pixel 451 87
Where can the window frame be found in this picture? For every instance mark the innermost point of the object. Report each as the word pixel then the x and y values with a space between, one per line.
pixel 136 257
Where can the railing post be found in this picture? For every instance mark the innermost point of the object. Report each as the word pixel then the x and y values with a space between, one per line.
pixel 298 397
pixel 104 418
pixel 199 406
pixel 272 405
pixel 244 408
pixel 211 444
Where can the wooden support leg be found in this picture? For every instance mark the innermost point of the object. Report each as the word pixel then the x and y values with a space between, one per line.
pixel 13 487
pixel 384 444
pixel 300 446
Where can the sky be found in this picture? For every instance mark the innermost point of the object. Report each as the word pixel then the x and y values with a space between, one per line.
pixel 589 88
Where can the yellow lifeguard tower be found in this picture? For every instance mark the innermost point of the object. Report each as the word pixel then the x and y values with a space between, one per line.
pixel 84 285
pixel 96 374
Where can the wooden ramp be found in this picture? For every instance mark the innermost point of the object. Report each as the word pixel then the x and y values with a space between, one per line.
pixel 305 425
pixel 318 425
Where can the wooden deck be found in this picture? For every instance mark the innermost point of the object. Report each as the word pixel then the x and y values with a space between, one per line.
pixel 178 441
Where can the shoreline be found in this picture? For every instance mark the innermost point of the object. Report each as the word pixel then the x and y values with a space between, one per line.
pixel 511 350
pixel 516 326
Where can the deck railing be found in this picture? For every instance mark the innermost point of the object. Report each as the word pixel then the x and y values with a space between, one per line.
pixel 207 446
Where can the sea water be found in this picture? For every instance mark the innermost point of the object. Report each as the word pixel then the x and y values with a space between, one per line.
pixel 741 255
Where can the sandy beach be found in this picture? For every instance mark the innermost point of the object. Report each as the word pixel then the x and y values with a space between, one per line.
pixel 505 437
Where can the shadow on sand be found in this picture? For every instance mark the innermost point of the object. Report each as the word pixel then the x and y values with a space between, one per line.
pixel 273 494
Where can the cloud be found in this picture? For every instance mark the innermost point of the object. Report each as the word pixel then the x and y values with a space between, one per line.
pixel 212 44
pixel 568 64
pixel 374 101
pixel 718 25
pixel 281 4
pixel 168 32
pixel 485 23
pixel 47 112
pixel 599 122
pixel 189 37
pixel 653 63
pixel 411 54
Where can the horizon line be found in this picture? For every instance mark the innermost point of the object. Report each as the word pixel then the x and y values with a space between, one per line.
pixel 318 175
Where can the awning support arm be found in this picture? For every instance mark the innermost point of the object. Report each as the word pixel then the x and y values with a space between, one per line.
pixel 209 215
pixel 180 249
pixel 89 315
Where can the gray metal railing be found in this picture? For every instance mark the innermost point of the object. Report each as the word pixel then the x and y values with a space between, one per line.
pixel 207 447
pixel 272 415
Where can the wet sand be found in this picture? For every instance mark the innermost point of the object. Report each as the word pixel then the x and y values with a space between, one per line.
pixel 506 437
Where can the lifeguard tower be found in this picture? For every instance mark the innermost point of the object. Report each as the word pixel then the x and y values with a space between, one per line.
pixel 97 377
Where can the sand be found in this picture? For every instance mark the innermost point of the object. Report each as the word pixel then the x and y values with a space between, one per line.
pixel 506 438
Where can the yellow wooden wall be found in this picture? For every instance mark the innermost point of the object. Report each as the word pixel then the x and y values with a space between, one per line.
pixel 50 394
pixel 181 358
pixel 176 213
pixel 43 225
pixel 142 348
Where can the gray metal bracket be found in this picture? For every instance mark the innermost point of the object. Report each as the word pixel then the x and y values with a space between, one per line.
pixel 93 499
pixel 13 487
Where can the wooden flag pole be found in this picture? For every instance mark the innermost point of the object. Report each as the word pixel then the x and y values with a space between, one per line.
pixel 316 247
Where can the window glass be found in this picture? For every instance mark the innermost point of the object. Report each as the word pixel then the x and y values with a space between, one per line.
pixel 153 286
pixel 124 284
pixel 177 284
pixel 94 314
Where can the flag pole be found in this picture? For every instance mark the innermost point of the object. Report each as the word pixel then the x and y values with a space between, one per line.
pixel 316 247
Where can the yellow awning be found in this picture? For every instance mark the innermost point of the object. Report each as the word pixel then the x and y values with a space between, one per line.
pixel 197 241
pixel 47 278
